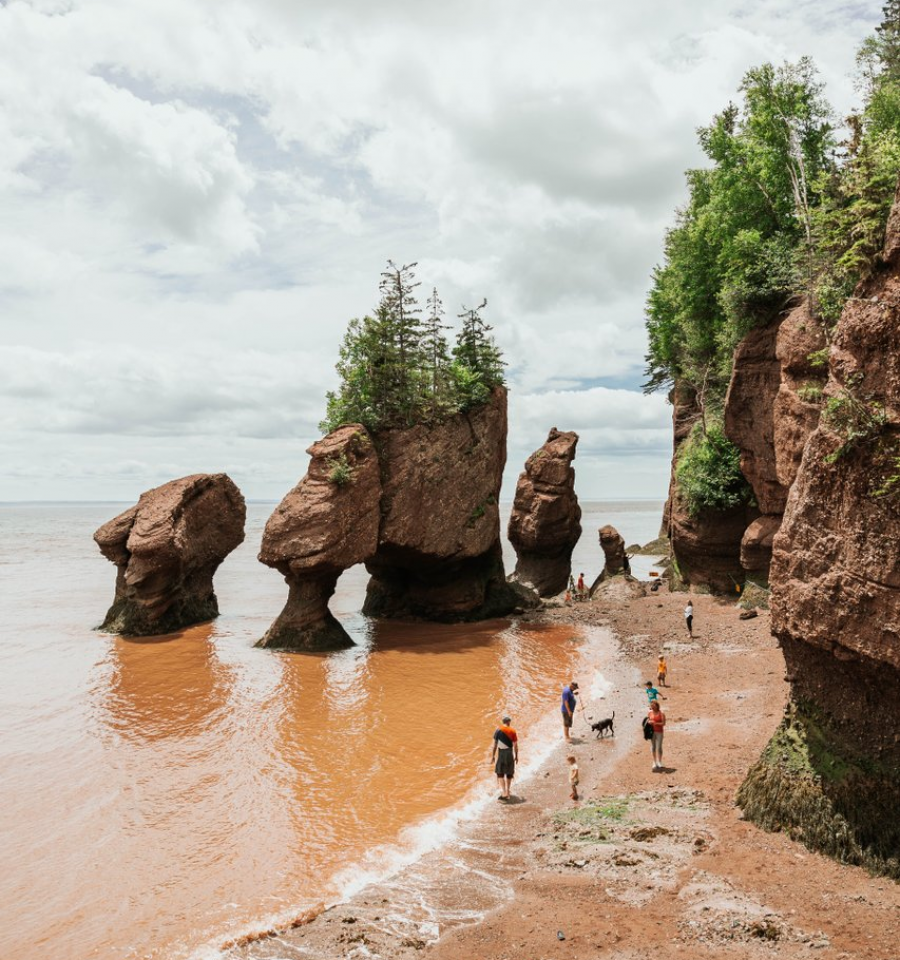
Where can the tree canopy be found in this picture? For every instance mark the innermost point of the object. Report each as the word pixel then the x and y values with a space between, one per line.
pixel 783 210
pixel 397 368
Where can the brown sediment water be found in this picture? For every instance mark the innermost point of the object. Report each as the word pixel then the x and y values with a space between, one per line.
pixel 161 797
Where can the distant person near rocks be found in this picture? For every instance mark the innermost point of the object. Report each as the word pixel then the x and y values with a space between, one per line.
pixel 652 692
pixel 580 588
pixel 573 775
pixel 657 719
pixel 689 617
pixel 505 756
pixel 662 671
pixel 569 703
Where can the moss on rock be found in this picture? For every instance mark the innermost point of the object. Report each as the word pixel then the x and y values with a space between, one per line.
pixel 809 785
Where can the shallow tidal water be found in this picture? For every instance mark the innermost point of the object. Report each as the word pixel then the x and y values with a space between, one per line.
pixel 160 797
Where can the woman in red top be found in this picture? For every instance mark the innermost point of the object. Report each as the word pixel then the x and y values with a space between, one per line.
pixel 657 719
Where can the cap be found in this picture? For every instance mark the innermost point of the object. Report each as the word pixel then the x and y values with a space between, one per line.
pixel 507 719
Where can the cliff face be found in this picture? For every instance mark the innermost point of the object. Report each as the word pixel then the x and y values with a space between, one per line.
pixel 836 597
pixel 167 547
pixel 706 545
pixel 418 506
pixel 544 525
pixel 327 523
pixel 769 416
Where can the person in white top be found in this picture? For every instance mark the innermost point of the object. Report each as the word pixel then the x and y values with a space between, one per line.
pixel 689 617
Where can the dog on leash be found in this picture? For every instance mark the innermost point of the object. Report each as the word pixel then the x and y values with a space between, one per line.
pixel 601 726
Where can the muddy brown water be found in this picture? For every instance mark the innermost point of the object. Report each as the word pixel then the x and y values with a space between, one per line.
pixel 160 797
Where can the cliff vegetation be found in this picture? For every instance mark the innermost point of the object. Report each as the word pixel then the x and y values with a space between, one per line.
pixel 784 210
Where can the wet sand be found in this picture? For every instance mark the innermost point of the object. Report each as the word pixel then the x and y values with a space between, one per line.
pixel 646 864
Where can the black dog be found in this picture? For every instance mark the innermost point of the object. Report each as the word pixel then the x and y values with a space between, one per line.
pixel 601 726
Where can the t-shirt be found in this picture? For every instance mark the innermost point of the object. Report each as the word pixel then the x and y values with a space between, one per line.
pixel 573 774
pixel 505 737
pixel 568 697
pixel 657 720
pixel 689 610
pixel 661 666
pixel 652 694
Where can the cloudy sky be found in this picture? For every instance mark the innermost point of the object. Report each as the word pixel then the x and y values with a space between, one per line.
pixel 197 195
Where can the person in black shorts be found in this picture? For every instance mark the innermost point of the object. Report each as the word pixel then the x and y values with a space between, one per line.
pixel 568 707
pixel 505 756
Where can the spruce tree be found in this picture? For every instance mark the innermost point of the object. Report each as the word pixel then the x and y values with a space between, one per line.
pixel 478 366
pixel 436 357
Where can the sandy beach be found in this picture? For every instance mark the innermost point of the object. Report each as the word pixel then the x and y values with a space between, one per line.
pixel 646 863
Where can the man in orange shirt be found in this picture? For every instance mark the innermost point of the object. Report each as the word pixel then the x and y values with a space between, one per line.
pixel 505 756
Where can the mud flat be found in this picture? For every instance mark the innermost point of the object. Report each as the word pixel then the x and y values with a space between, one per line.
pixel 647 864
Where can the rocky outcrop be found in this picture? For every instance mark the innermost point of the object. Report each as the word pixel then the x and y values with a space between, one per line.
pixel 327 523
pixel 544 525
pixel 613 551
pixel 439 555
pixel 836 600
pixel 418 506
pixel 167 547
pixel 770 410
pixel 706 545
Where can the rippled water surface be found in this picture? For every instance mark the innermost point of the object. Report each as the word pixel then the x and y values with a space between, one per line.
pixel 160 796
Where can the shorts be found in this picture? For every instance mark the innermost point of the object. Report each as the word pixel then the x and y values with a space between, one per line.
pixel 567 719
pixel 506 764
pixel 660 678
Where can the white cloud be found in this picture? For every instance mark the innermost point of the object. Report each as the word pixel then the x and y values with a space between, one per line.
pixel 197 196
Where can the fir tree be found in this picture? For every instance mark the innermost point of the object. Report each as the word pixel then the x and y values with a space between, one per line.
pixel 436 355
pixel 478 366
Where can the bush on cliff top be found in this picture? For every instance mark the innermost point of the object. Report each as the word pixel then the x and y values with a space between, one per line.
pixel 396 367
pixel 709 471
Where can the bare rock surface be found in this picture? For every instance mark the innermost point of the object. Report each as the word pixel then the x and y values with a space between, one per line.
pixel 613 546
pixel 749 414
pixel 439 553
pixel 756 546
pixel 544 525
pixel 167 547
pixel 327 523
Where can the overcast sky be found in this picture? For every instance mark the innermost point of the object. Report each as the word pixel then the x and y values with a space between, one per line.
pixel 197 196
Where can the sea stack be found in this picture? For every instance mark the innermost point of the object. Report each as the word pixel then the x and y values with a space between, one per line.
pixel 167 547
pixel 831 774
pixel 613 551
pixel 417 505
pixel 545 522
pixel 327 523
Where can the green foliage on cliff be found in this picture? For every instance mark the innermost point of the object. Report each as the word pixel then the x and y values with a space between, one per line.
pixel 397 368
pixel 731 259
pixel 782 211
pixel 709 471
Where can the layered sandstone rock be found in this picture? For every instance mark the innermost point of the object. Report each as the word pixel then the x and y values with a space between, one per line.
pixel 544 525
pixel 167 547
pixel 439 553
pixel 770 411
pixel 418 506
pixel 836 600
pixel 327 523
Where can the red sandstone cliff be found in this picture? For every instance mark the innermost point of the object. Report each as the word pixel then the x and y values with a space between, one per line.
pixel 544 525
pixel 769 415
pixel 167 547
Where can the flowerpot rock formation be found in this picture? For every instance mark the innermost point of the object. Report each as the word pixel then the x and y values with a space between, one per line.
pixel 613 550
pixel 419 506
pixel 544 525
pixel 167 547
pixel 327 523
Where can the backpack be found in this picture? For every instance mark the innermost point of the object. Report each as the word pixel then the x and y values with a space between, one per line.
pixel 648 728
